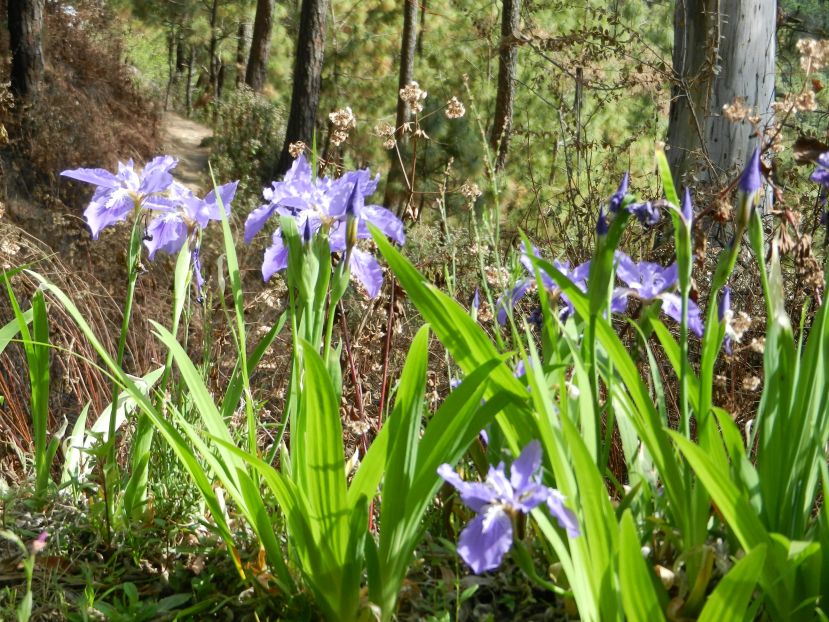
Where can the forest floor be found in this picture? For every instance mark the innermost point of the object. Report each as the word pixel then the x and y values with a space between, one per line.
pixel 188 141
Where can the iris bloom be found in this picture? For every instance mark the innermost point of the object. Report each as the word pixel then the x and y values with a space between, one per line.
pixel 182 214
pixel 577 275
pixel 497 501
pixel 619 196
pixel 649 281
pixel 332 205
pixel 821 173
pixel 181 217
pixel 752 178
pixel 646 213
pixel 119 194
pixel 723 313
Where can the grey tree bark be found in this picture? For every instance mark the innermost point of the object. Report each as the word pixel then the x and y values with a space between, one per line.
pixel 305 95
pixel 260 45
pixel 505 99
pixel 25 19
pixel 723 50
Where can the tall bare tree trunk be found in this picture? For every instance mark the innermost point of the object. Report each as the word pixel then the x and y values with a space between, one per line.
pixel 214 44
pixel 260 45
pixel 305 95
pixel 723 50
pixel 408 47
pixel 505 99
pixel 241 46
pixel 25 34
pixel 422 28
pixel 188 89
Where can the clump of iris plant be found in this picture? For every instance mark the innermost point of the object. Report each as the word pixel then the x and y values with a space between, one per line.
pixel 335 207
pixel 498 501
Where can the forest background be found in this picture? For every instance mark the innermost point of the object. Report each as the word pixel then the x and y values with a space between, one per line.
pixel 557 101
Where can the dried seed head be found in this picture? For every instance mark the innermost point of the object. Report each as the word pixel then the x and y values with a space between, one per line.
pixel 736 111
pixel 806 102
pixel 413 95
pixel 751 383
pixel 814 55
pixel 384 129
pixel 722 210
pixel 454 108
pixel 737 325
pixel 343 121
pixel 758 345
pixel 470 190
pixel 297 149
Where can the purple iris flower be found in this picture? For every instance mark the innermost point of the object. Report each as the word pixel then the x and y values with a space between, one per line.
pixel 650 281
pixel 619 196
pixel 119 194
pixel 577 275
pixel 333 205
pixel 602 226
pixel 488 537
pixel 821 173
pixel 181 214
pixel 646 213
pixel 723 311
pixel 687 209
pixel 752 179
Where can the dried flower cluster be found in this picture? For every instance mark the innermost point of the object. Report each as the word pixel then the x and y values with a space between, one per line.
pixel 297 149
pixel 751 383
pixel 470 190
pixel 343 121
pixel 736 111
pixel 736 324
pixel 413 95
pixel 385 131
pixel 808 266
pixel 802 102
pixel 454 108
pixel 814 54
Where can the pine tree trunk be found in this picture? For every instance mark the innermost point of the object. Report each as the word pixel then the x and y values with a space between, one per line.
pixel 307 78
pixel 408 46
pixel 505 99
pixel 241 45
pixel 25 31
pixel 422 28
pixel 260 45
pixel 188 89
pixel 214 44
pixel 181 53
pixel 717 58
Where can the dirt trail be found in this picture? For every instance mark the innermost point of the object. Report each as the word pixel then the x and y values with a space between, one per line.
pixel 183 138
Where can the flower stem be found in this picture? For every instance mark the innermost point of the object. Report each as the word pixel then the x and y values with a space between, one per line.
pixel 133 264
